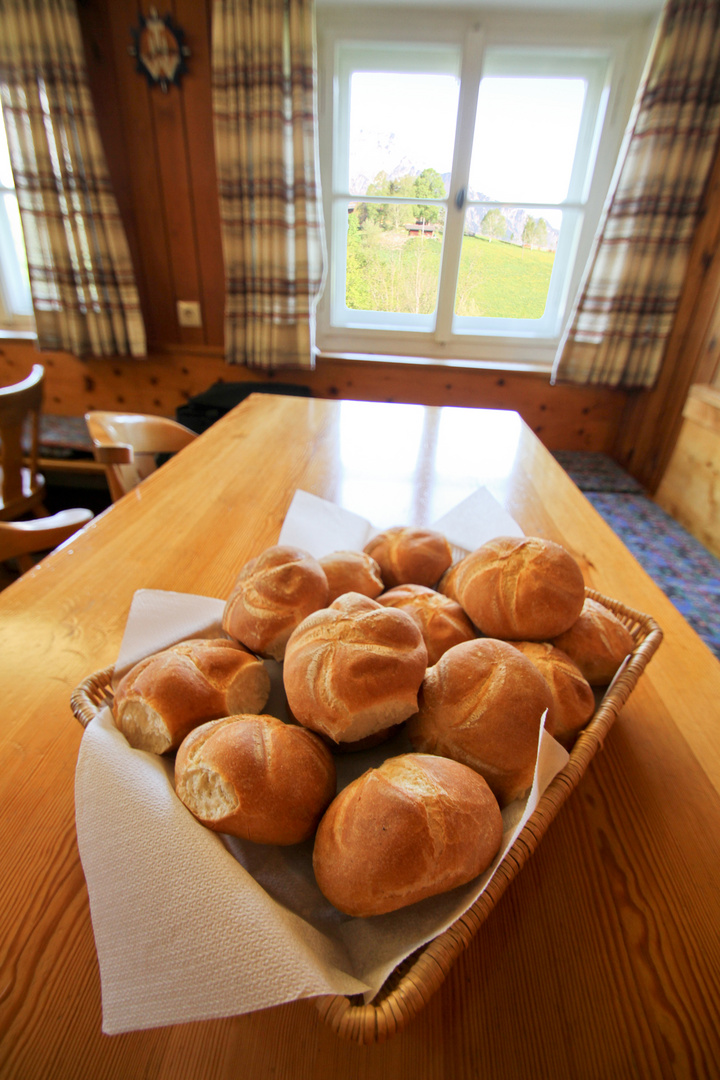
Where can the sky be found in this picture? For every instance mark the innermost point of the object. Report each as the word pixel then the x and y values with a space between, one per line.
pixel 524 140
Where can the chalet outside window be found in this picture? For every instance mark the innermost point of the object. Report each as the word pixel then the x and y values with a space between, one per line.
pixel 464 173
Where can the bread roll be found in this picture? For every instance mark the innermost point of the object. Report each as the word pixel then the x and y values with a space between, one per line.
pixel 272 594
pixel 256 777
pixel 573 698
pixel 482 704
pixel 354 668
pixel 166 695
pixel 597 642
pixel 416 826
pixel 352 571
pixel 409 555
pixel 521 589
pixel 442 621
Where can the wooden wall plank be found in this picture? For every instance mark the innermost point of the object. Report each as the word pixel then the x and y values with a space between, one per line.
pixel 197 99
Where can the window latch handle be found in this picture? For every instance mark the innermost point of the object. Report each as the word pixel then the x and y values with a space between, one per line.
pixel 460 198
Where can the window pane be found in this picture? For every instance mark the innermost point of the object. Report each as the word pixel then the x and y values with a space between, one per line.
pixel 393 257
pixel 15 272
pixel 525 137
pixel 400 124
pixel 506 261
pixel 6 176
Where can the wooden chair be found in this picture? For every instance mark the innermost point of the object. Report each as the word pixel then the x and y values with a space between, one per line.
pixel 128 445
pixel 22 539
pixel 22 487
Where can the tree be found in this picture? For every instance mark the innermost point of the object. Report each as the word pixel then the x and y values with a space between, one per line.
pixel 494 225
pixel 535 232
pixel 428 185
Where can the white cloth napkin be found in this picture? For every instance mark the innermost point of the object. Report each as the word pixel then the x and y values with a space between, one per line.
pixel 190 925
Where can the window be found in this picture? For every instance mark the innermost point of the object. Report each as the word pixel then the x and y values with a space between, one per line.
pixel 463 173
pixel 16 312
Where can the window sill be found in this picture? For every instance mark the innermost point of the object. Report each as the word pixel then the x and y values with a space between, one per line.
pixel 7 334
pixel 543 368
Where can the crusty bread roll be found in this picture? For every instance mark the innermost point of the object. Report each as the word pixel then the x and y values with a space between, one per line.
pixel 256 777
pixel 351 571
pixel 410 555
pixel 573 698
pixel 482 704
pixel 272 594
pixel 416 826
pixel 597 642
pixel 442 621
pixel 354 668
pixel 518 588
pixel 166 695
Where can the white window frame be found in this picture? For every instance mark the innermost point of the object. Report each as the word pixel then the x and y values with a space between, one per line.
pixel 611 55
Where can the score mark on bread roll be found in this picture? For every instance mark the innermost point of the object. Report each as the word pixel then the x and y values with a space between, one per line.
pixel 164 696
pixel 573 698
pixel 442 621
pixel 272 594
pixel 354 668
pixel 414 827
pixel 597 642
pixel 410 555
pixel 351 571
pixel 482 704
pixel 518 588
pixel 256 777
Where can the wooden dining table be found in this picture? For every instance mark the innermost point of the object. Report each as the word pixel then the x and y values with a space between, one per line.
pixel 602 958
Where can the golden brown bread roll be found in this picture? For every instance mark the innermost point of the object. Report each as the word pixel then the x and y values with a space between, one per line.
pixel 416 826
pixel 482 704
pixel 351 571
pixel 256 777
pixel 442 621
pixel 597 642
pixel 272 594
pixel 518 588
pixel 573 698
pixel 410 555
pixel 167 694
pixel 354 668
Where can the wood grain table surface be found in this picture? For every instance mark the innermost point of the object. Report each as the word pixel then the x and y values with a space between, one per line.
pixel 601 960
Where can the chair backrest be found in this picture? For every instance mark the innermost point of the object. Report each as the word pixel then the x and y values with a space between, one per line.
pixel 21 487
pixel 128 445
pixel 19 538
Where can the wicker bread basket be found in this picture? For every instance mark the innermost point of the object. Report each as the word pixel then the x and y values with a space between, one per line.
pixel 412 983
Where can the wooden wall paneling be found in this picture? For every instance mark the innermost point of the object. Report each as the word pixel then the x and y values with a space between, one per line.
pixel 194 18
pixel 564 417
pixel 653 418
pixel 147 195
pixel 690 487
pixel 177 205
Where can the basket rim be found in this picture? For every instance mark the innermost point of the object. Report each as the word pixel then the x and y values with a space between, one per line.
pixel 412 983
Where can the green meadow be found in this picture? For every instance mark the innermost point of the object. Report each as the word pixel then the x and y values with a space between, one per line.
pixel 387 271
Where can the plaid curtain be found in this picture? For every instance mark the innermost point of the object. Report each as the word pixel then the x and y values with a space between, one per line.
pixel 81 278
pixel 623 317
pixel 264 104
